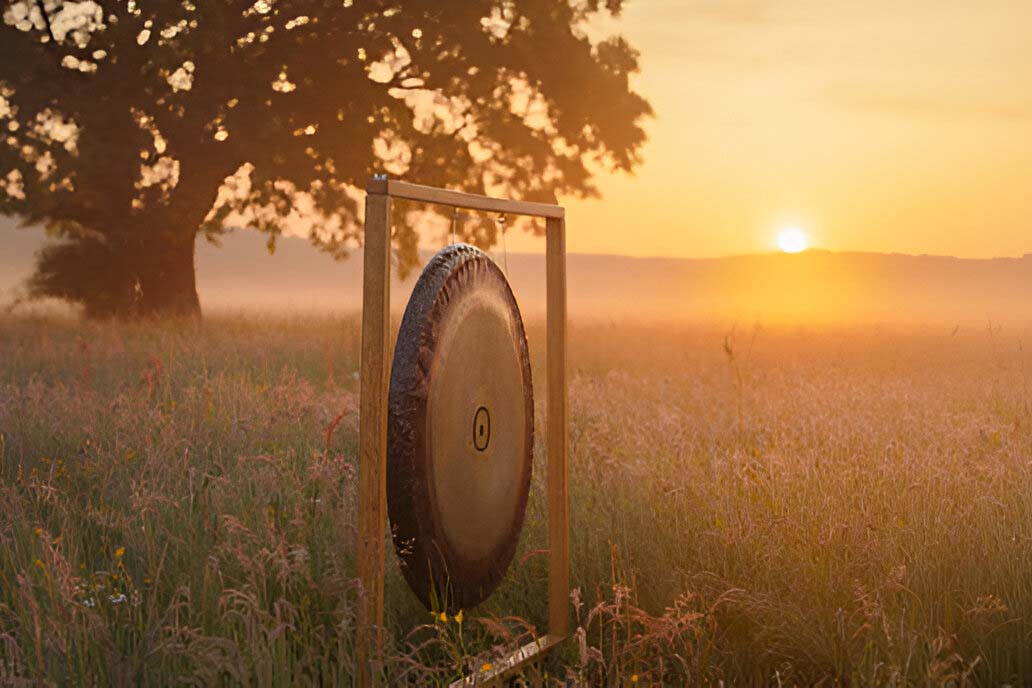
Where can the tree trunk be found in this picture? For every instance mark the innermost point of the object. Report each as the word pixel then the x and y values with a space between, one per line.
pixel 166 281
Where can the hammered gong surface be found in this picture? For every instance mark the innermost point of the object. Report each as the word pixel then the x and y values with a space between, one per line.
pixel 460 430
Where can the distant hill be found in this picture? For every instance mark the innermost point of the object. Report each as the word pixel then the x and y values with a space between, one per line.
pixel 815 286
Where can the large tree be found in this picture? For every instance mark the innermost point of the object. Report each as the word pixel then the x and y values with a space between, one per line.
pixel 131 127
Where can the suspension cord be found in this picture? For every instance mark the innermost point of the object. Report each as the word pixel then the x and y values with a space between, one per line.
pixel 505 246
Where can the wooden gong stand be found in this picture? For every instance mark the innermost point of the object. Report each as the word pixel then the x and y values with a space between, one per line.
pixel 374 386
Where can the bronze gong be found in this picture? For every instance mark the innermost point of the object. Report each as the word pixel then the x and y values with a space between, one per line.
pixel 460 430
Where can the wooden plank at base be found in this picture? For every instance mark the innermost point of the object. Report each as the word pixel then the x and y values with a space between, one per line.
pixel 461 199
pixel 511 663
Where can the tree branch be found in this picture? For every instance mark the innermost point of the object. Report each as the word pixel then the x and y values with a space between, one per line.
pixel 46 20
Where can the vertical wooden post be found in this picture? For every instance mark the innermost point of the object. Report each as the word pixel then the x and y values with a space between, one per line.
pixel 375 378
pixel 558 498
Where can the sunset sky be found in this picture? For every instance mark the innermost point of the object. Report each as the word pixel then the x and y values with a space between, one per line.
pixel 870 126
pixel 878 126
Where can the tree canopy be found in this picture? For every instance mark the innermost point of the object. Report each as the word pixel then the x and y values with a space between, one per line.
pixel 131 127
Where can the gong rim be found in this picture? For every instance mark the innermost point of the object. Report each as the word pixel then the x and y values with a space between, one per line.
pixel 462 315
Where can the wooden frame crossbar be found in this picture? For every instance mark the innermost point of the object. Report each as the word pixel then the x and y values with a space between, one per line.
pixel 374 387
pixel 461 199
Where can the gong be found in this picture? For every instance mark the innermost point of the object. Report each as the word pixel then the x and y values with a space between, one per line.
pixel 460 430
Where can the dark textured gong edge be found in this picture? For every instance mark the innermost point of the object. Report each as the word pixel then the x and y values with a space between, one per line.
pixel 418 540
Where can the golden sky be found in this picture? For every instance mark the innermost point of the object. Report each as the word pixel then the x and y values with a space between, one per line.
pixel 899 126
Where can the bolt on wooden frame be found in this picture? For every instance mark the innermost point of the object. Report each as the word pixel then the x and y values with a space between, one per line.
pixel 374 387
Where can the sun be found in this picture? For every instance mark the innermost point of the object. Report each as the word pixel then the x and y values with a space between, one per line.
pixel 793 240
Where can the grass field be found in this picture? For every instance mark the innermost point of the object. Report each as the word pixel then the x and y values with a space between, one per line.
pixel 762 507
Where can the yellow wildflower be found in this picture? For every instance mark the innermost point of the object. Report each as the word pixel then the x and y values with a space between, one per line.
pixel 458 618
pixel 39 565
pixel 37 531
pixel 442 617
pixel 486 666
pixel 634 678
pixel 120 552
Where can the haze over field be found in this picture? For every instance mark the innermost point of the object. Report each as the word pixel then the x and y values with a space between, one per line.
pixel 816 287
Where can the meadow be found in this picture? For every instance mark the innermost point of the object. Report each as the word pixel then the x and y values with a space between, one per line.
pixel 752 506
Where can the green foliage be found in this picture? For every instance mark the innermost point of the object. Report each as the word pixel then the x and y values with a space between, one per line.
pixel 140 125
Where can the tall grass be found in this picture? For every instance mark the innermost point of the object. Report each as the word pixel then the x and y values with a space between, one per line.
pixel 177 504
